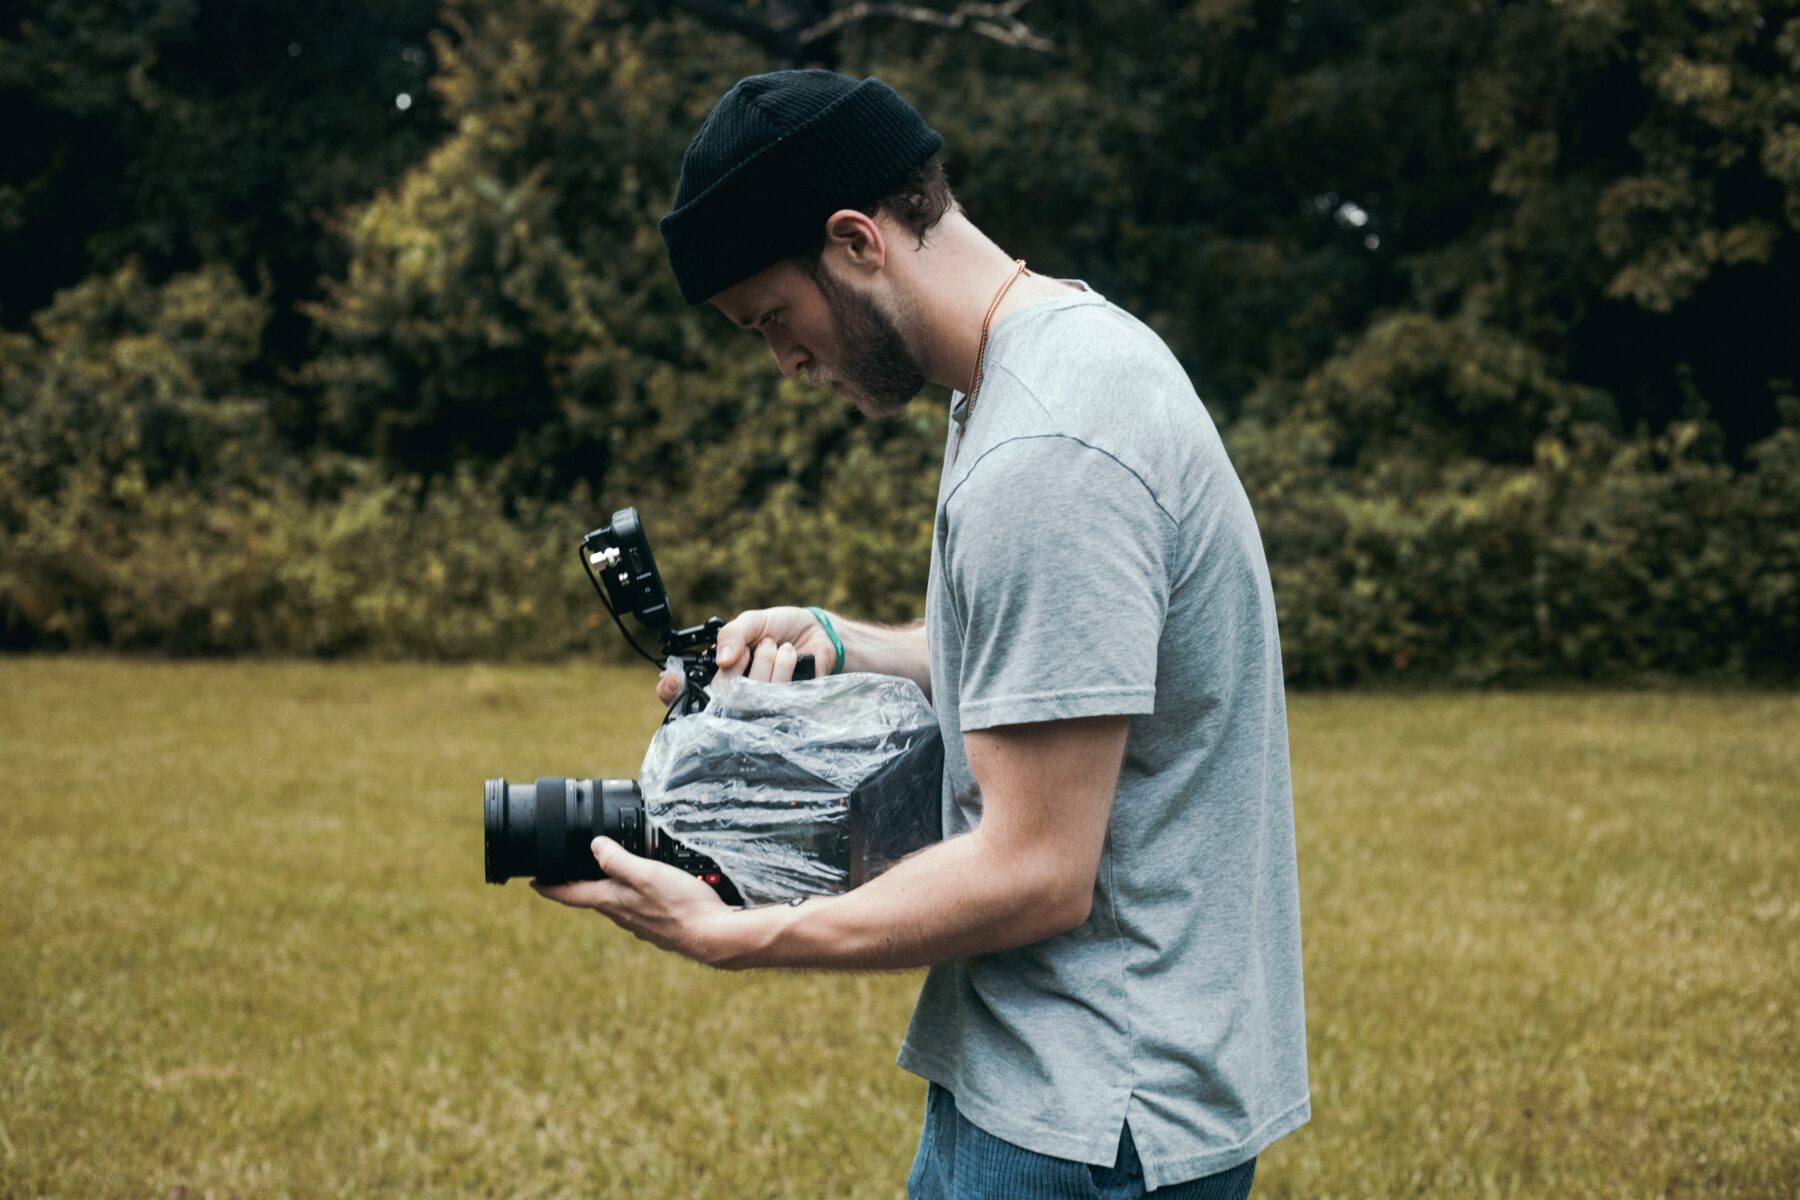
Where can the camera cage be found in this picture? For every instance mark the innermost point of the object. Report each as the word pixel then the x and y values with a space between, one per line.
pixel 822 786
pixel 619 564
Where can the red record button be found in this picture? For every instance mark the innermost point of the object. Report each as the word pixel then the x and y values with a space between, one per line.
pixel 711 878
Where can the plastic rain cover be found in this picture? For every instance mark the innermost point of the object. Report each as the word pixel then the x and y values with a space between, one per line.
pixel 800 789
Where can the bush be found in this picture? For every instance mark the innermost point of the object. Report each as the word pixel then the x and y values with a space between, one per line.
pixel 1603 559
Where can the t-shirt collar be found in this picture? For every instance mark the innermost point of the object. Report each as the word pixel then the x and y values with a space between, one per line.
pixel 959 402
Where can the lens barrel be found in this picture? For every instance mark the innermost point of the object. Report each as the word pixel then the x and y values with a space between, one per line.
pixel 545 830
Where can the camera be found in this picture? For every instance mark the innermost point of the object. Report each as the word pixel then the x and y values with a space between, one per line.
pixel 801 804
pixel 544 830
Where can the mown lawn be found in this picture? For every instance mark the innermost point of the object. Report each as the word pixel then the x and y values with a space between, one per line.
pixel 1552 949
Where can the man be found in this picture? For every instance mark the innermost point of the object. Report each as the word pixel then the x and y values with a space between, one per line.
pixel 1112 923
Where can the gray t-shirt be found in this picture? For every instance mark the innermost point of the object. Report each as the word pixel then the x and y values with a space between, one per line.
pixel 1095 555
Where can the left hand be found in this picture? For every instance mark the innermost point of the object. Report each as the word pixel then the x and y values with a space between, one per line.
pixel 653 901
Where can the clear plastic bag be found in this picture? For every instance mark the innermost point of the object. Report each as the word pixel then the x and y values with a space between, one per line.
pixel 800 789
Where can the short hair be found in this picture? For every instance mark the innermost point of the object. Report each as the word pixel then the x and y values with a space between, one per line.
pixel 918 202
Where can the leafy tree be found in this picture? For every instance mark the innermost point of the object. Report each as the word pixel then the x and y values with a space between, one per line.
pixel 1493 302
pixel 178 134
pixel 509 303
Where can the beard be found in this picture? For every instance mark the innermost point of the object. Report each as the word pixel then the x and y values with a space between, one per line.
pixel 875 370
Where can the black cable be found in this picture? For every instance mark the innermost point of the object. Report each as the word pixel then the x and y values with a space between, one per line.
pixel 687 685
pixel 601 592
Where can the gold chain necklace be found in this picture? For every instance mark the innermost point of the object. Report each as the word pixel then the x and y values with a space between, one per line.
pixel 981 348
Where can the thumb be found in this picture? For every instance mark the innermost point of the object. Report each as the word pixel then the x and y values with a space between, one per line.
pixel 746 629
pixel 731 645
pixel 616 861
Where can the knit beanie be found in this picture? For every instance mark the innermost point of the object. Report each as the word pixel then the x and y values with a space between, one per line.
pixel 775 157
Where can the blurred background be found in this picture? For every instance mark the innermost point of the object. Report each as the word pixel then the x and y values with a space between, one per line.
pixel 326 329
pixel 325 324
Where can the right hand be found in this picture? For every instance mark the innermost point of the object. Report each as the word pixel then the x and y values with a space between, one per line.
pixel 770 641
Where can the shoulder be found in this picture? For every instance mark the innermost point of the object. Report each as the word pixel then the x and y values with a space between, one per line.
pixel 1098 376
pixel 1089 336
pixel 1050 474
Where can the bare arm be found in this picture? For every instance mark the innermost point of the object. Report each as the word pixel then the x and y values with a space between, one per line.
pixel 1025 874
pixel 776 637
pixel 886 649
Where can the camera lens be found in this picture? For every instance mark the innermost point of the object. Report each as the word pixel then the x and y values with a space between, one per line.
pixel 544 830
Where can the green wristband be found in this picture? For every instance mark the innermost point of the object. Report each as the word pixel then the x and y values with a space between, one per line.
pixel 836 645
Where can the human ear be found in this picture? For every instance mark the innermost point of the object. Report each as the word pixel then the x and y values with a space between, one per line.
pixel 856 239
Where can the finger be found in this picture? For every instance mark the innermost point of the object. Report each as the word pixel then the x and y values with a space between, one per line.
pixel 785 658
pixel 738 634
pixel 604 895
pixel 618 862
pixel 668 687
pixel 763 665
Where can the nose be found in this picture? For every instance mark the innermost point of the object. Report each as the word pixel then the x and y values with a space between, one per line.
pixel 790 355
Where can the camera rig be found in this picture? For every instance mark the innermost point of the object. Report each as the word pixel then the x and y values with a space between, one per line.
pixel 619 564
pixel 889 808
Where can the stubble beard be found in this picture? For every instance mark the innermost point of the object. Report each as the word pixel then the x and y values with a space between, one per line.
pixel 876 370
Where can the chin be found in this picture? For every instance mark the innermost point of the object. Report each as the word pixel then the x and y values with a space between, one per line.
pixel 879 410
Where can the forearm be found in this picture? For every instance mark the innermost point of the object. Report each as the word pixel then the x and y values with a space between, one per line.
pixel 955 899
pixel 886 649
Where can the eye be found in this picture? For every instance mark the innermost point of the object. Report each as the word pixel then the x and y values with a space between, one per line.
pixel 768 318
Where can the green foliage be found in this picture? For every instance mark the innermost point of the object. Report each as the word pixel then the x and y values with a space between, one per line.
pixel 384 568
pixel 1492 302
pixel 1599 559
pixel 510 303
pixel 139 385
pixel 182 133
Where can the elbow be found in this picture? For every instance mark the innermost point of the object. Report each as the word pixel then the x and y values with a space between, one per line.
pixel 1061 903
pixel 1048 891
pixel 1073 911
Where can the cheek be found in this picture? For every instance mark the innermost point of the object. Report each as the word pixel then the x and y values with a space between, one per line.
pixel 813 328
pixel 818 343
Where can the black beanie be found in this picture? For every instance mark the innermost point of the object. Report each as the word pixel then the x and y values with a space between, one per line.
pixel 775 157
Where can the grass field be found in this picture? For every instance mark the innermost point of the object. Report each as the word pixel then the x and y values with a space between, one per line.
pixel 1552 949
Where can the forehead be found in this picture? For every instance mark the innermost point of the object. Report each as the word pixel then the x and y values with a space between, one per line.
pixel 744 302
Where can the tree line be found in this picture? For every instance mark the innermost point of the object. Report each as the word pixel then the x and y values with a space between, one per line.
pixel 327 329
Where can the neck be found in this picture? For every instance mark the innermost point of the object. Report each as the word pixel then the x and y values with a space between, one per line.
pixel 950 282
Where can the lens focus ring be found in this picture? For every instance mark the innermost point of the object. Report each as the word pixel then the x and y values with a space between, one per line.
pixel 552 830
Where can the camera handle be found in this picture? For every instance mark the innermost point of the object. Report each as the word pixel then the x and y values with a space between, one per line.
pixel 696 648
pixel 618 562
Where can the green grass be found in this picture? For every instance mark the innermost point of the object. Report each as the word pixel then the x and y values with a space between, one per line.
pixel 1552 948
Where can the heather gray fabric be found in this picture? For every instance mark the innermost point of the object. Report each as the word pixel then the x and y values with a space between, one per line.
pixel 1095 554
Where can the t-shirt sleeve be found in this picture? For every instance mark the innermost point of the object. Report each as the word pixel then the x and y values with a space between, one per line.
pixel 1055 558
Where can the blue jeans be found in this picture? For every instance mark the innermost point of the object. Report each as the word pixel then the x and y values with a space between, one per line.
pixel 957 1161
